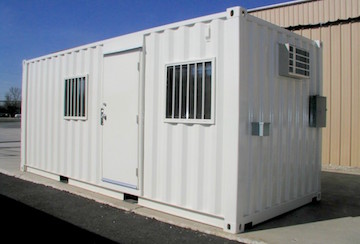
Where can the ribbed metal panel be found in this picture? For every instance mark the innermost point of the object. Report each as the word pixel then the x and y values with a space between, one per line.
pixel 310 13
pixel 54 144
pixel 188 165
pixel 283 166
pixel 183 162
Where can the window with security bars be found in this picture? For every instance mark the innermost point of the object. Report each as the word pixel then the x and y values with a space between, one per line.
pixel 299 61
pixel 75 105
pixel 189 92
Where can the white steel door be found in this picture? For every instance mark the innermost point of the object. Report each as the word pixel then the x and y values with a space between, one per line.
pixel 119 119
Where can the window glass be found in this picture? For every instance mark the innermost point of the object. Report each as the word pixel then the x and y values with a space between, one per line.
pixel 189 91
pixel 169 92
pixel 177 91
pixel 207 103
pixel 199 79
pixel 192 91
pixel 184 81
pixel 75 98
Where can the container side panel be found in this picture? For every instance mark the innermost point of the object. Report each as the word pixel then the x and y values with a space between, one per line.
pixel 75 149
pixel 56 117
pixel 284 166
pixel 219 48
pixel 31 124
pixel 38 118
pixel 273 109
pixel 86 171
pixel 94 87
pixel 57 145
pixel 69 124
pixel 182 162
pixel 24 135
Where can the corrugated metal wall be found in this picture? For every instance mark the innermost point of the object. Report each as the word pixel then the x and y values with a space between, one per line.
pixel 192 166
pixel 183 161
pixel 336 24
pixel 64 147
pixel 283 166
pixel 310 13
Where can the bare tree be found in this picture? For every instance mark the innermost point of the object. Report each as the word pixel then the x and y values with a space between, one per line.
pixel 13 100
pixel 14 94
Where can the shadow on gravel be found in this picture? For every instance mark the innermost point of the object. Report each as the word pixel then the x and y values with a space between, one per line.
pixel 22 223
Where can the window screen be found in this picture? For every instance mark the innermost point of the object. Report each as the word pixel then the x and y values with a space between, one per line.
pixel 189 92
pixel 75 105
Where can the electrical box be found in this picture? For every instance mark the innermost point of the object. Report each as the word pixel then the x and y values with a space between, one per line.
pixel 260 129
pixel 317 111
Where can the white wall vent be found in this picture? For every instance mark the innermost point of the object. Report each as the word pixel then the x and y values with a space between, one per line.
pixel 293 61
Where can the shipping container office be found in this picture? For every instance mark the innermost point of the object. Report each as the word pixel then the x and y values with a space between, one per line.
pixel 212 119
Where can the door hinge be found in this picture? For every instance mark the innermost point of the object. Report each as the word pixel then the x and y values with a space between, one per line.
pixel 137 119
pixel 137 172
pixel 138 66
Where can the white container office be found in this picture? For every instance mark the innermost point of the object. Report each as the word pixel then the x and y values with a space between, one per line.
pixel 214 119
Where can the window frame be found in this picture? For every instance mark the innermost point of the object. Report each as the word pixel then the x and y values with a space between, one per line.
pixel 213 88
pixel 86 92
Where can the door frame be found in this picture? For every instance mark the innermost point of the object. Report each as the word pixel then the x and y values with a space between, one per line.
pixel 141 113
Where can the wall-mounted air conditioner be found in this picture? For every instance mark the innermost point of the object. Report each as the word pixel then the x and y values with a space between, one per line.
pixel 293 61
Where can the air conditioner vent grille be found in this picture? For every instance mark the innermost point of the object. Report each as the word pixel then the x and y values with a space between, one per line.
pixel 294 61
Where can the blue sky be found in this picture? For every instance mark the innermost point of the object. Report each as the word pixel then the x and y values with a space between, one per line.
pixel 32 28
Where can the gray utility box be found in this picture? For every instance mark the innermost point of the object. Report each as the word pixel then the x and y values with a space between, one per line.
pixel 260 129
pixel 317 111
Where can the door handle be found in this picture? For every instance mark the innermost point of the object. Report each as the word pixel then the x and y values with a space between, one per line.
pixel 103 116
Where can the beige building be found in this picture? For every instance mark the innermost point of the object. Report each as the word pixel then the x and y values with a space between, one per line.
pixel 337 24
